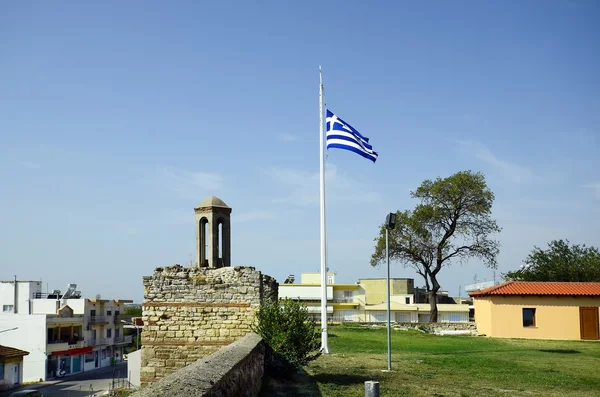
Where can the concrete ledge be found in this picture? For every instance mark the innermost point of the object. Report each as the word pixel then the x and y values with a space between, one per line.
pixel 234 370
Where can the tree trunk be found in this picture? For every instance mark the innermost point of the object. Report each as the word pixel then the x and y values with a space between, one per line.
pixel 433 312
pixel 435 287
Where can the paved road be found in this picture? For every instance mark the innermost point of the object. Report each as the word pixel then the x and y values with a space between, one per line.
pixel 92 383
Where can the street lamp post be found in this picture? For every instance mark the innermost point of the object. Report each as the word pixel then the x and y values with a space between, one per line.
pixel 390 222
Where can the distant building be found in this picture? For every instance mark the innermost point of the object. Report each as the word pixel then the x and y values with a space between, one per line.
pixel 366 300
pixel 63 332
pixel 11 367
pixel 481 285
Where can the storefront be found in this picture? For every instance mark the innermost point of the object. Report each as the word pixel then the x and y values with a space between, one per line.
pixel 66 362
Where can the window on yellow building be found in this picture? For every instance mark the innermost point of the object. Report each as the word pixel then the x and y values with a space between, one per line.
pixel 455 317
pixel 528 317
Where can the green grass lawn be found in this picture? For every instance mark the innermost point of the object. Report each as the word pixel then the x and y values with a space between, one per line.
pixel 430 365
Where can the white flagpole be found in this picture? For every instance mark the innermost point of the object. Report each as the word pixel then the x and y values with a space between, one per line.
pixel 324 346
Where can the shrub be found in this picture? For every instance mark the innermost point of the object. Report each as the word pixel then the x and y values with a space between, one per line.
pixel 289 331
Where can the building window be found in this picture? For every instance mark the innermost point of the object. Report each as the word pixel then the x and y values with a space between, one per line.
pixel 108 333
pixel 8 308
pixel 109 312
pixel 455 317
pixel 89 357
pixel 423 318
pixel 403 317
pixel 379 317
pixel 329 280
pixel 407 300
pixel 528 317
pixel 1 370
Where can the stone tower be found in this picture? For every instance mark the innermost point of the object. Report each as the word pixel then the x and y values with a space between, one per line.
pixel 211 215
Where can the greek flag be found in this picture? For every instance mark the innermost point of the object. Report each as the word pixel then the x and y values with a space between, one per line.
pixel 342 135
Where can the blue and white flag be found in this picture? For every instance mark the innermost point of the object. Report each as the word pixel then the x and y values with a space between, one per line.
pixel 342 135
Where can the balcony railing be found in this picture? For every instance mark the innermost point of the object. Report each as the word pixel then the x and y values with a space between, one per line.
pixel 121 340
pixel 97 342
pixel 123 317
pixel 76 319
pixel 99 320
pixel 70 341
pixel 59 345
pixel 345 300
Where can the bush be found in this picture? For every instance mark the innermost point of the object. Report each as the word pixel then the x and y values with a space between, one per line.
pixel 288 331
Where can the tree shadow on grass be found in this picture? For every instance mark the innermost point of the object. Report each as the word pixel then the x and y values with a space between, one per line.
pixel 560 351
pixel 295 382
pixel 341 379
pixel 451 353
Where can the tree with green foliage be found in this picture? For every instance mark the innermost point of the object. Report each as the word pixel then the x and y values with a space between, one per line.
pixel 133 311
pixel 288 330
pixel 452 223
pixel 562 261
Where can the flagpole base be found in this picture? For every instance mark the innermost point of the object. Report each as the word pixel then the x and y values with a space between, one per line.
pixel 324 347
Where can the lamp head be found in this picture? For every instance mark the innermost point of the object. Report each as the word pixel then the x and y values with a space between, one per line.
pixel 390 220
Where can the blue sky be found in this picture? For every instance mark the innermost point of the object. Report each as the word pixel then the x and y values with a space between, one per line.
pixel 116 119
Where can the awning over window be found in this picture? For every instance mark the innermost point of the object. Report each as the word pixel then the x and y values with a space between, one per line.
pixel 74 352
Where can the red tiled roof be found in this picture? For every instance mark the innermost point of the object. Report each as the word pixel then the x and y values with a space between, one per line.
pixel 9 352
pixel 540 288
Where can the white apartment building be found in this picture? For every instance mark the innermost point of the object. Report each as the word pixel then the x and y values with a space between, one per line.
pixel 63 332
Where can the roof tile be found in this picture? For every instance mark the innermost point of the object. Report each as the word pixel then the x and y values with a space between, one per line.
pixel 540 288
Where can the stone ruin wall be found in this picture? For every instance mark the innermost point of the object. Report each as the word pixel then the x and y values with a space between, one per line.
pixel 190 313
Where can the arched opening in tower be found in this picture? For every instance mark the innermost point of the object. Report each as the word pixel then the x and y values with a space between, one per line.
pixel 220 243
pixel 203 242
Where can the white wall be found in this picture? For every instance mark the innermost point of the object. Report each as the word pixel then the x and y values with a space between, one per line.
pixel 78 305
pixel 7 294
pixel 31 337
pixel 134 364
pixel 303 292
pixel 44 306
pixel 25 291
pixel 9 380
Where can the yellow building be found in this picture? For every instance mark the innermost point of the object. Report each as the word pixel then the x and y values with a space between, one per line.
pixel 538 310
pixel 402 290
